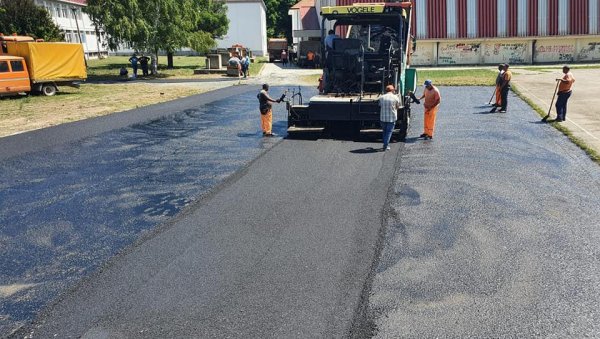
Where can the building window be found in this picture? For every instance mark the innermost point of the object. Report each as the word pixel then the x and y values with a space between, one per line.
pixel 66 12
pixel 58 12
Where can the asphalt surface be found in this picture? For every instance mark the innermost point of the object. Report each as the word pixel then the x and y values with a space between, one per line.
pixel 74 195
pixel 281 251
pixel 489 230
pixel 493 231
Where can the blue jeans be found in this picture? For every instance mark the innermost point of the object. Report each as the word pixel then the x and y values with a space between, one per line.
pixel 504 97
pixel 561 105
pixel 388 128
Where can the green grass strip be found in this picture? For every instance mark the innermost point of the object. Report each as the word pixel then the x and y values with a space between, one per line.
pixel 595 156
pixel 458 77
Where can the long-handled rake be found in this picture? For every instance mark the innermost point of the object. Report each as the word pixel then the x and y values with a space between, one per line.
pixel 544 119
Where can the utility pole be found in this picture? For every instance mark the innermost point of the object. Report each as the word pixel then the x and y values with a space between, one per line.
pixel 79 33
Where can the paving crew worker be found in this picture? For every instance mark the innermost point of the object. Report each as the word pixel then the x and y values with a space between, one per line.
pixel 564 93
pixel 432 102
pixel 266 110
pixel 329 39
pixel 310 59
pixel 504 88
pixel 389 103
pixel 498 102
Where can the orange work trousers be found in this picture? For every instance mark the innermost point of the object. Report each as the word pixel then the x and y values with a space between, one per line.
pixel 498 96
pixel 430 114
pixel 266 121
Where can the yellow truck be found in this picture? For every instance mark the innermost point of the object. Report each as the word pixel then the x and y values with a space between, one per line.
pixel 28 66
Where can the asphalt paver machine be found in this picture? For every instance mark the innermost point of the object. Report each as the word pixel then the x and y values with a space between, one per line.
pixel 374 52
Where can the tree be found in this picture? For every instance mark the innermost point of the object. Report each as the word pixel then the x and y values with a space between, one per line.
pixel 279 23
pixel 150 24
pixel 24 17
pixel 212 24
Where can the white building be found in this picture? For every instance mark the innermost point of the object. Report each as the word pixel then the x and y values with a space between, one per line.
pixel 247 26
pixel 68 14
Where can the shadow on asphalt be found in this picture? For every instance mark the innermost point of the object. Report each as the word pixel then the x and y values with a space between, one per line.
pixel 540 122
pixel 366 150
pixel 411 140
pixel 486 112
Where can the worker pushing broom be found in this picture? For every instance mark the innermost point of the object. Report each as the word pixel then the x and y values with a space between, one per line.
pixel 563 89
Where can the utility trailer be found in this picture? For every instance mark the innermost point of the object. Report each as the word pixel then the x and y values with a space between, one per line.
pixel 374 53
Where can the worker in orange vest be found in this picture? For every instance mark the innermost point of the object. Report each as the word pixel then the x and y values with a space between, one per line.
pixel 310 59
pixel 499 78
pixel 432 102
pixel 564 93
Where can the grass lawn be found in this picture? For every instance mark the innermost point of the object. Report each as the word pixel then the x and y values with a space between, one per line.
pixel 183 67
pixel 107 69
pixel 444 77
pixel 471 77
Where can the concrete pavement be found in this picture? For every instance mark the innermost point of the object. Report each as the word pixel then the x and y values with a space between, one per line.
pixel 583 117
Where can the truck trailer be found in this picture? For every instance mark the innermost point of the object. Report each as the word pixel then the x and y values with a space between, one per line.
pixel 28 66
pixel 274 48
pixel 375 52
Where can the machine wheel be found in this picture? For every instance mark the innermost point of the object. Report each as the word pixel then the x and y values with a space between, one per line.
pixel 404 124
pixel 48 90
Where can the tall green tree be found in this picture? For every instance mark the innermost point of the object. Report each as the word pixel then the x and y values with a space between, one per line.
pixel 151 25
pixel 24 17
pixel 279 23
pixel 212 24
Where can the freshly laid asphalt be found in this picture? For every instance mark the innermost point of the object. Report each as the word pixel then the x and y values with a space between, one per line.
pixel 74 195
pixel 489 230
pixel 282 250
pixel 493 232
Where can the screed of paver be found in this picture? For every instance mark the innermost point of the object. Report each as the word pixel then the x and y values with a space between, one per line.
pixel 583 115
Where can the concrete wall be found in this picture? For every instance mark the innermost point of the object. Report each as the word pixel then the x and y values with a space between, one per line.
pixel 247 26
pixel 513 51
